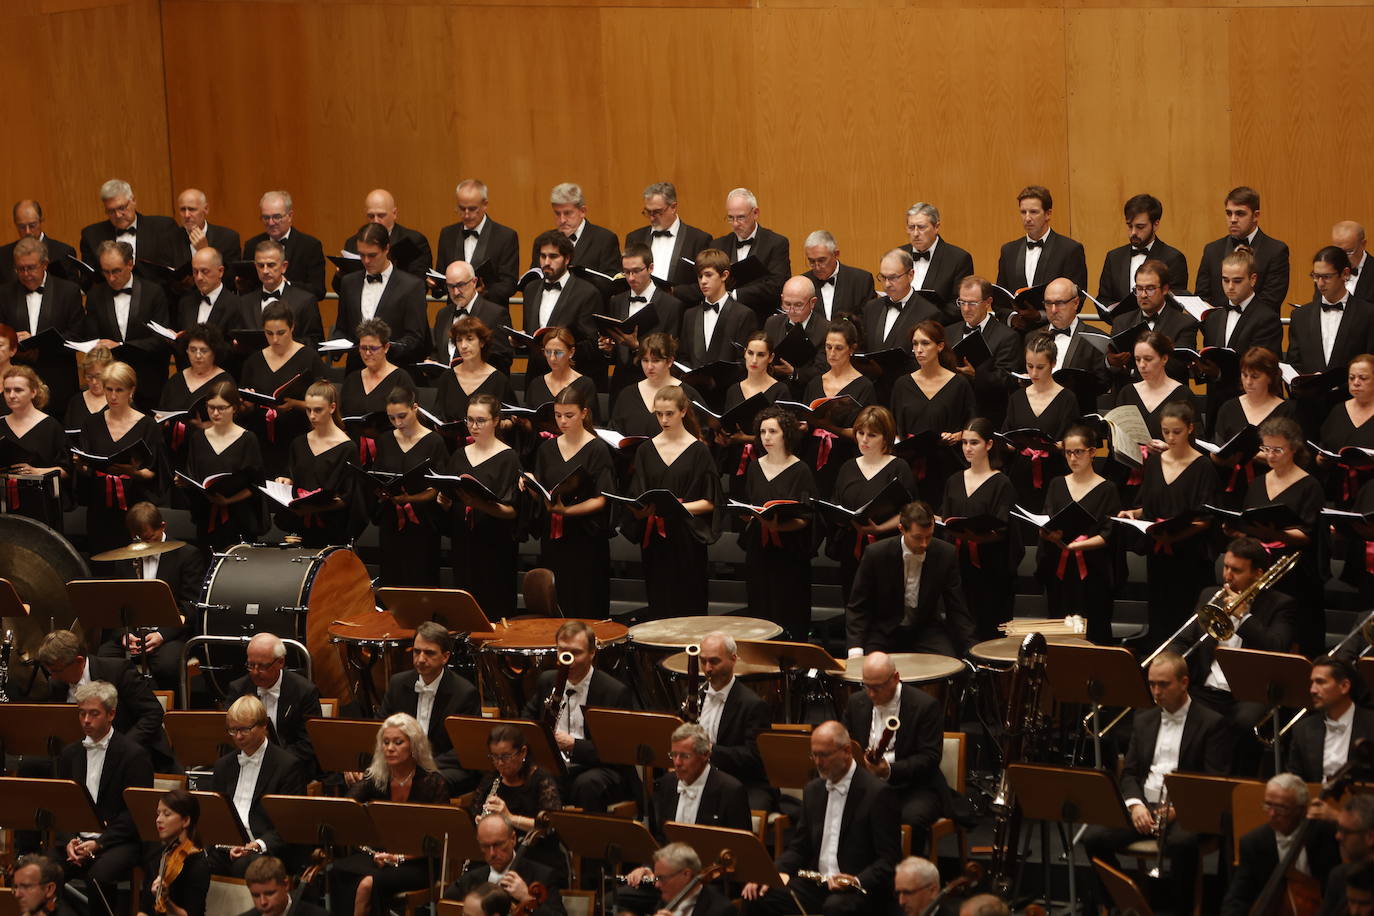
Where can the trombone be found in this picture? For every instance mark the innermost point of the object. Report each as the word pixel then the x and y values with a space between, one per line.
pixel 1365 629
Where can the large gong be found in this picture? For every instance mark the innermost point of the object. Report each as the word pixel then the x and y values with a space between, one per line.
pixel 38 562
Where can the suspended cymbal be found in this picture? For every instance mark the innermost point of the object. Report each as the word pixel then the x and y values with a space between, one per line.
pixel 138 549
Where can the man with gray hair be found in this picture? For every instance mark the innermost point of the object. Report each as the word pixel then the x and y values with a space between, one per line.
pixel 674 244
pixel 937 265
pixel 150 237
pixel 594 247
pixel 304 254
pixel 757 288
pixel 118 311
pixel 1285 809
pixel 916 882
pixel 35 299
pixel 37 884
pixel 289 698
pixel 28 223
pixel 840 289
pixel 492 249
pixel 733 715
pixel 674 867
pixel 193 214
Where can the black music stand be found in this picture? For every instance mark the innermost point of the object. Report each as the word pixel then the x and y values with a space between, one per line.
pixel 426 830
pixel 790 658
pixel 750 862
pixel 1097 676
pixel 320 821
pixel 604 838
pixel 37 729
pixel 127 604
pixel 469 736
pixel 343 745
pixel 49 806
pixel 453 607
pixel 1273 679
pixel 198 737
pixel 1201 803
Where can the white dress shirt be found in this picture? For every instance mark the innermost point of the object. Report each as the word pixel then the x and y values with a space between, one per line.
pixel 122 304
pixel 662 247
pixel 129 235
pixel 250 768
pixel 1216 677
pixel 712 707
pixel 148 564
pixel 424 703
pixel 1167 745
pixel 1136 261
pixel 1233 318
pixel 689 798
pixel 912 565
pixel 1062 341
pixel 95 768
pixel 270 696
pixel 81 682
pixel 890 318
pixel 575 700
pixel 709 317
pixel 881 714
pixel 1354 278
pixel 1033 257
pixel 372 292
pixel 1336 743
pixel 470 241
pixel 1331 325
pixel 828 291
pixel 752 244
pixel 828 862
pixel 1284 841
pixel 203 309
pixel 548 300
pixel 34 303
pixel 576 235
pixel 922 266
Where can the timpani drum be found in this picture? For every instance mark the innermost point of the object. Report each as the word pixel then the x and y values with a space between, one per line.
pixel 654 641
pixel 935 674
pixel 374 649
pixel 764 680
pixel 510 661
pixel 993 661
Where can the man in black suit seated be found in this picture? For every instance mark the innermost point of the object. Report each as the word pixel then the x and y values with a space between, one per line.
pixel 800 310
pixel 481 240
pixel 149 237
pixel 198 233
pixel 1239 325
pixel 594 246
pixel 210 301
pixel 674 867
pixel 992 380
pixel 848 832
pixel 303 254
pixel 1322 740
pixel 465 300
pixel 733 715
pixel 1042 254
pixel 1285 804
pixel 1348 236
pixel 840 289
pixel 1352 881
pixel 496 839
pixel 1271 256
pixel 1327 333
pixel 37 299
pixel 915 883
pixel 1176 734
pixel 1077 346
pixel 118 312
pixel 271 889
pixel 558 299
pixel 256 768
pixel 382 290
pixel 1118 279
pixel 37 882
pixel 269 260
pixel 939 266
pixel 748 239
pixel 711 330
pixel 1158 310
pixel 106 762
pixel 380 207
pixel 28 223
pixel 910 764
pixel 593 786
pixel 621 351
pixel 673 244
pixel 907 596
pixel 290 699
pixel 431 693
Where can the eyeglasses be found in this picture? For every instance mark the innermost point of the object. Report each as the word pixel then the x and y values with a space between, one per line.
pixel 1077 452
pixel 1321 278
pixel 457 286
pixel 478 421
pixel 1059 302
pixel 273 217
pixel 199 351
pixel 968 303
pixel 261 666
pixel 243 729
pixel 1147 290
pixel 217 408
pixel 369 349
pixel 656 213
pixel 125 207
pixel 1273 449
pixel 504 758
pixel 555 354
pixel 680 755
pixel 736 219
pixel 890 278
pixel 634 271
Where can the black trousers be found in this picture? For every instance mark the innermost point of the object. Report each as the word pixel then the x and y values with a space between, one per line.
pixel 816 899
pixel 1180 851
pixel 101 877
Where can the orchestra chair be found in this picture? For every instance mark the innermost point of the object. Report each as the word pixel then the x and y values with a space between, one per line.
pixel 579 903
pixel 1126 897
pixel 227 897
pixel 953 760
pixel 167 698
pixel 541 597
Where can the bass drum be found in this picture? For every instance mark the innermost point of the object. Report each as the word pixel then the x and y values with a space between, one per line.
pixel 39 563
pixel 295 592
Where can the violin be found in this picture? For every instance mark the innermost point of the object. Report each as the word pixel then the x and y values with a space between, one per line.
pixel 173 861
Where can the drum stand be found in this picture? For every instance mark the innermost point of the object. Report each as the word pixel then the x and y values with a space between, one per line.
pixel 218 688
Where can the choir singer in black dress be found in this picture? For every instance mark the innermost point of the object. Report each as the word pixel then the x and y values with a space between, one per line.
pixel 266 371
pixel 407 518
pixel 319 461
pixel 225 448
pixel 40 487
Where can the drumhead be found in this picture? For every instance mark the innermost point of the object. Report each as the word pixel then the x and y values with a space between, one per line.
pixel 912 667
pixel 538 633
pixel 687 631
pixel 249 587
pixel 677 664
pixel 1003 651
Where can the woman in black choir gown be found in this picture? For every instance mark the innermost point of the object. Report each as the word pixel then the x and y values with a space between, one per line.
pixel 934 397
pixel 408 523
pixel 858 482
pixel 674 550
pixel 1288 484
pixel 1044 405
pixel 738 449
pixel 777 565
pixel 829 445
pixel 473 375
pixel 92 399
pixel 1359 547
pixel 1261 398
pixel 267 370
pixel 987 561
pixel 205 349
pixel 1349 424
pixel 45 451
pixel 525 790
pixel 365 391
pixel 633 412
pixel 574 537
pixel 1149 395
pixel 110 492
pixel 9 345
pixel 319 461
pixel 482 532
pixel 223 448
pixel 559 347
pixel 1177 480
pixel 1079 576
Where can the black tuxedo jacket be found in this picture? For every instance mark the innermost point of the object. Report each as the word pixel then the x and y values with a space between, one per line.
pixel 1305 748
pixel 497 244
pixel 296 907
pixel 1364 280
pixel 724 803
pixel 1272 622
pixel 1355 335
pixel 853 289
pixel 869 844
pixel 183 570
pixel 877 599
pixel 138 713
pixel 1172 321
pixel 499 351
pixel 308 326
pixel 417 265
pixel 687 243
pixel 1117 281
pixel 993 381
pixel 772 251
pixel 918 744
pixel 949 265
pixel 224 314
pixel 1087 350
pixel 577 302
pixel 146 304
pixel 402 307
pixel 604 691
pixel 1259 858
pixel 596 247
pixel 528 869
pixel 1205 747
pixel 126 764
pixel 1258 327
pixel 280 775
pixel 456 697
pixel 734 326
pixel 155 234
pixel 60 309
pixel 298 702
pixel 668 318
pixel 57 259
pixel 816 327
pixel 221 238
pixel 1061 257
pixel 1271 263
pixel 736 748
pixel 874 317
pixel 304 257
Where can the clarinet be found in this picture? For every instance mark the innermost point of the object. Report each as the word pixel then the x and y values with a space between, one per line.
pixel 553 703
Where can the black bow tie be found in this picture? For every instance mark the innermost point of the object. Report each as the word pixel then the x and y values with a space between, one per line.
pixel 1232 307
pixel 573 239
pixel 39 291
pixel 1333 306
pixel 971 329
pixel 271 294
pixel 1237 242
pixel 713 306
pixel 894 304
pixel 638 299
pixel 1140 252
pixel 662 233
pixel 459 312
pixel 470 233
pixel 1067 332
pixel 556 284
pixel 374 278
pixel 126 291
pixel 132 230
pixel 1354 271
pixel 920 255
pixel 1039 244
pixel 204 298
pixel 742 242
pixel 828 281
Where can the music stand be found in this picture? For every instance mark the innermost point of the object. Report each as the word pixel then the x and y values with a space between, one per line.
pixel 126 604
pixel 637 739
pixel 1097 676
pixel 790 658
pixel 750 861
pixel 1273 679
pixel 218 824
pixel 49 806
pixel 197 736
pixel 38 729
pixel 455 608
pixel 469 737
pixel 1201 803
pixel 604 838
pixel 786 759
pixel 1365 666
pixel 319 820
pixel 337 743
pixel 424 830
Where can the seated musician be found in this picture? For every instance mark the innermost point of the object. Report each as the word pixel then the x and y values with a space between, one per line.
pixel 176 875
pixel 1174 735
pixel 592 786
pixel 257 768
pixel 271 889
pixel 984 905
pixel 402 770
pixel 910 763
pixel 733 715
pixel 675 865
pixel 486 899
pixel 916 883
pixel 1262 849
pixel 290 699
pixel 106 761
pixel 1355 836
pixel 1359 899
pixel 37 884
pixel 183 570
pixel 503 867
pixel 520 789
pixel 848 836
pixel 431 693
pixel 1322 739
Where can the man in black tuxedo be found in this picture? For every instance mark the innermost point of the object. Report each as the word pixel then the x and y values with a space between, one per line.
pixel 907 596
pixel 382 290
pixel 106 762
pixel 496 838
pixel 711 330
pixel 256 767
pixel 557 299
pixel 1158 311
pixel 118 312
pixel 840 289
pixel 1285 807
pixel 916 884
pixel 198 233
pixel 36 300
pixel 593 786
pixel 410 248
pixel 482 242
pixel 621 351
pixel 1240 325
pixel 290 699
pixel 303 254
pixel 1355 837
pixel 1143 213
pixel 938 265
pixel 992 379
pixel 888 320
pixel 1348 236
pixel 431 693
pixel 910 764
pixel 1327 333
pixel 674 867
pixel 1077 346
pixel 271 889
pixel 673 244
pixel 733 715
pixel 749 239
pixel 1175 735
pixel 269 260
pixel 1322 740
pixel 465 300
pixel 594 246
pixel 37 882
pixel 1043 254
pixel 848 832
pixel 210 301
pixel 28 223
pixel 149 237
pixel 800 309
pixel 1270 255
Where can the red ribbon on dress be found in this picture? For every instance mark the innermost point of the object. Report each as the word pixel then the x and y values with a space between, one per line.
pixel 918 467
pixel 973 558
pixel 405 514
pixel 11 493
pixel 114 490
pixel 744 455
pixel 178 435
pixel 1350 484
pixel 555 525
pixel 367 450
pixel 1138 474
pixel 1163 548
pixel 650 523
pixel 1037 457
pixel 469 517
pixel 218 515
pixel 1078 555
pixel 823 450
pixel 769 536
pixel 861 542
pixel 1235 475
pixel 271 417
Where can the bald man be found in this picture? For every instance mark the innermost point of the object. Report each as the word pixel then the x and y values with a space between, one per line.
pixel 1078 346
pixel 193 214
pixel 1349 236
pixel 800 310
pixel 209 301
pixel 464 299
pixel 409 248
pixel 28 223
pixel 303 254
pixel 290 700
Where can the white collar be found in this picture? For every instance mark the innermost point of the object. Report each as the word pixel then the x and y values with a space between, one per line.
pixel 91 744
pixel 1345 718
pixel 842 785
pixel 722 692
pixel 700 780
pixel 1180 716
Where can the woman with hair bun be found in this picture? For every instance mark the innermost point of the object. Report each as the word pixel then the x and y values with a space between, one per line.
pixel 408 521
pixel 222 448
